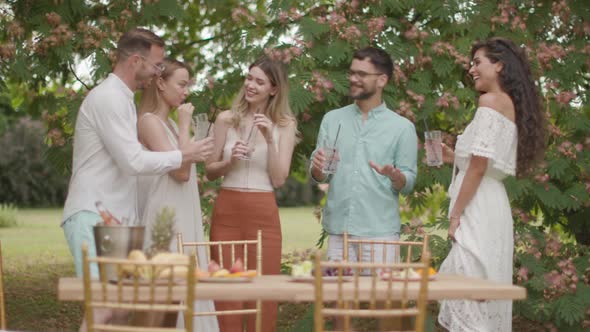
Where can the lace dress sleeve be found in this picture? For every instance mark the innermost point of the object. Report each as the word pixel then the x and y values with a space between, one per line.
pixel 493 136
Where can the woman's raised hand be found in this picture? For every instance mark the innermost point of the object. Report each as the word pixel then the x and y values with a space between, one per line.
pixel 448 154
pixel 264 125
pixel 185 113
pixel 239 151
pixel 205 148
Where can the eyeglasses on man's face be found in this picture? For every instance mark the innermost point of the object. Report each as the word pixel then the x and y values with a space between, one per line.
pixel 360 74
pixel 159 67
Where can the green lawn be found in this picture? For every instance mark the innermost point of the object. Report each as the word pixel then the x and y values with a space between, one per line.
pixel 39 234
pixel 36 255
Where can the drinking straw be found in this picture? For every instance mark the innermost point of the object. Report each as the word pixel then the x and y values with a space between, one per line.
pixel 425 124
pixel 211 121
pixel 252 128
pixel 334 147
pixel 337 133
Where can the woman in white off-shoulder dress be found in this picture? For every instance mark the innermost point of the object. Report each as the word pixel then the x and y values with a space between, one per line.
pixel 505 138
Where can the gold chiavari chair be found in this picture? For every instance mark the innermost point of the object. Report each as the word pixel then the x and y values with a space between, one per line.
pixel 131 292
pixel 395 290
pixel 220 246
pixel 375 247
pixel 409 246
pixel 2 308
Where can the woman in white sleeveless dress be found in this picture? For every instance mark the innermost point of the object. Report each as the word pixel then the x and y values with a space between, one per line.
pixel 505 137
pixel 178 189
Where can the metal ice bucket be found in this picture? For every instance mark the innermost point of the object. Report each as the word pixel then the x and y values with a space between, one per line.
pixel 117 241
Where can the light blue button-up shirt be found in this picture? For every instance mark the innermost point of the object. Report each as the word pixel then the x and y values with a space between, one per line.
pixel 361 201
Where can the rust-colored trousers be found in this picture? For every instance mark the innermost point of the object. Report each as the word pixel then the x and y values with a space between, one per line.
pixel 239 215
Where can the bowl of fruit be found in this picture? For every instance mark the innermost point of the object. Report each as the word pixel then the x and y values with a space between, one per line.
pixel 237 273
pixel 305 272
pixel 408 274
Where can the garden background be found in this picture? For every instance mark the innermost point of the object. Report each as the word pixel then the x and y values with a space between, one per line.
pixel 53 51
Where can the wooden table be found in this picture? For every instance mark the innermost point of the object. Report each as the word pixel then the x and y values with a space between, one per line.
pixel 281 288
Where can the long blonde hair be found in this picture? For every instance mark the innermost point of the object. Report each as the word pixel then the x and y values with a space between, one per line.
pixel 151 98
pixel 277 109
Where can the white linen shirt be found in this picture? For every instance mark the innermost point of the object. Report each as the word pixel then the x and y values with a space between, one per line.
pixel 107 154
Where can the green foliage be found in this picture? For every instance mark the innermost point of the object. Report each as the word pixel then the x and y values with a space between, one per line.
pixel 556 274
pixel 26 179
pixel 8 215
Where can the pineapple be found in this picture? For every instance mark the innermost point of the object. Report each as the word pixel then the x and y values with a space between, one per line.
pixel 163 230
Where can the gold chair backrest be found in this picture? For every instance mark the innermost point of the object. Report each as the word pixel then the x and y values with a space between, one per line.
pixel 387 290
pixel 131 290
pixel 410 246
pixel 2 308
pixel 220 246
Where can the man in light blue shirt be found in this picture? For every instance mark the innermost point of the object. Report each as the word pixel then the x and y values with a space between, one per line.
pixel 377 152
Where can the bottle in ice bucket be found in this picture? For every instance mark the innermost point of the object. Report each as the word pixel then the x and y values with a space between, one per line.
pixel 106 215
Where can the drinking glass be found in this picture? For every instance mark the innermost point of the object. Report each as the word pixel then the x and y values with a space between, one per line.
pixel 249 137
pixel 200 126
pixel 331 158
pixel 433 146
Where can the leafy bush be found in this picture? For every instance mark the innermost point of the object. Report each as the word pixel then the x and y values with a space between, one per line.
pixel 8 215
pixel 556 273
pixel 26 178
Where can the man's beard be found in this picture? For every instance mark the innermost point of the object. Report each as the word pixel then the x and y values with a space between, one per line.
pixel 142 81
pixel 363 95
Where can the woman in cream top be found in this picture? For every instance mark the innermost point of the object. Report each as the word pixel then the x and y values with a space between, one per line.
pixel 260 126
pixel 250 174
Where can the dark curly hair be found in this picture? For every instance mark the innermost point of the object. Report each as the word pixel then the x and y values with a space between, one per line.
pixel 517 81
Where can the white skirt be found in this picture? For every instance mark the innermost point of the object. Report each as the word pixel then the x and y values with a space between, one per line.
pixel 483 249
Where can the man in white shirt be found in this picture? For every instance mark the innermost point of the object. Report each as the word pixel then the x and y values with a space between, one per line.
pixel 107 154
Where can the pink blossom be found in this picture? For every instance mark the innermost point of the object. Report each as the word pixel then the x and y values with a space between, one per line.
pixel 542 178
pixel 441 48
pixel 306 117
pixel 555 130
pixel 375 26
pixel 15 30
pixel 552 246
pixel 418 98
pixel 442 102
pixel 565 97
pixel 398 75
pixel 336 20
pixel 551 85
pixel 562 10
pixel 295 14
pixel 240 14
pixel 405 110
pixel 509 13
pixel 446 100
pixel 351 33
pixel 319 84
pixel 412 33
pixel 547 53
pixel 283 17
pixel 296 51
pixel 53 18
pixel 523 273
